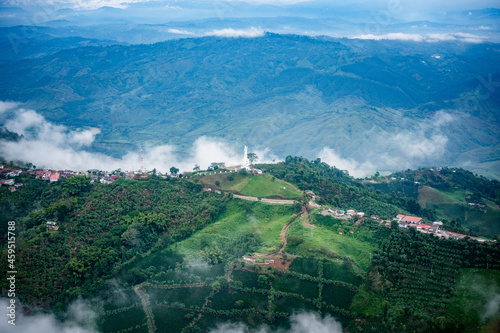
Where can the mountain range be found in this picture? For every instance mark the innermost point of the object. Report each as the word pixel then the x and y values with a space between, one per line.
pixel 364 104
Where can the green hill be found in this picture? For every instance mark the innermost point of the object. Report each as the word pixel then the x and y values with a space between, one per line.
pixel 260 186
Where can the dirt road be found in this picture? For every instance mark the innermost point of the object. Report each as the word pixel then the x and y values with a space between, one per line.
pixel 274 201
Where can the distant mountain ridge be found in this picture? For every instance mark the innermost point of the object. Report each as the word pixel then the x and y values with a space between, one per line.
pixel 384 104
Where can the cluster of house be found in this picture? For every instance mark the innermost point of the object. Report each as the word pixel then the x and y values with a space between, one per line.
pixel 345 213
pixel 253 260
pixel 223 169
pixel 10 172
pixel 435 227
pixel 406 221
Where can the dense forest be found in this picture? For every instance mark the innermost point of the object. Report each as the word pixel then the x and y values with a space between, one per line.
pixel 101 228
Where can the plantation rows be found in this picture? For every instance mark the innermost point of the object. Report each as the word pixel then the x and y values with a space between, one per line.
pixel 419 272
pixel 267 296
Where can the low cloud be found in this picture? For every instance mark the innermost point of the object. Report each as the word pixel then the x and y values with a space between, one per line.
pixel 249 33
pixel 408 148
pixel 434 37
pixel 355 168
pixel 303 322
pixel 6 106
pixel 79 318
pixel 179 32
pixel 394 36
pixel 53 146
pixel 490 294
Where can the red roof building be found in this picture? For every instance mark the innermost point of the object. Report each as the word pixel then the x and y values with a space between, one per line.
pixel 54 177
pixel 424 226
pixel 411 219
pixel 400 216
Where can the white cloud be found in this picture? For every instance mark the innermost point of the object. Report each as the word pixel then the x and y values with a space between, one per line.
pixel 434 37
pixel 180 32
pixel 250 32
pixel 303 322
pixel 6 106
pixel 81 318
pixel 355 168
pixel 410 147
pixel 485 27
pixel 394 36
pixel 54 146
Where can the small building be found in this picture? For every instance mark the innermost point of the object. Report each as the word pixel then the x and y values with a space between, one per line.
pixel 360 214
pixel 423 227
pixel 7 181
pixel 14 173
pixel 106 180
pixel 350 212
pixel 51 225
pixel 434 229
pixel 268 261
pixel 400 217
pixel 248 258
pixel 338 212
pixel 54 177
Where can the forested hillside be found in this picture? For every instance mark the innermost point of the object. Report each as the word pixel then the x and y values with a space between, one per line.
pixel 101 228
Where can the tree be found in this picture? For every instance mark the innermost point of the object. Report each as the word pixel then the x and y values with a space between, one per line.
pixel 174 170
pixel 196 167
pixel 252 157
pixel 217 183
pixel 75 185
pixel 262 280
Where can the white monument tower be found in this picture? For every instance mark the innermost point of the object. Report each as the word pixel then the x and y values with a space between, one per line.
pixel 246 162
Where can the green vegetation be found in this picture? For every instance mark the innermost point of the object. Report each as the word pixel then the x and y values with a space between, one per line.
pixel 157 251
pixel 100 229
pixel 245 227
pixel 472 309
pixel 415 276
pixel 336 188
pixel 325 240
pixel 260 186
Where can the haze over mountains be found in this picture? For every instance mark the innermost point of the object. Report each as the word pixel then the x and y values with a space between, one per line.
pixel 406 92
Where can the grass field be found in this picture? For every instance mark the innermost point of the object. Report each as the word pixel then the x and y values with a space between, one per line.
pixel 325 240
pixel 240 219
pixel 261 186
pixel 452 206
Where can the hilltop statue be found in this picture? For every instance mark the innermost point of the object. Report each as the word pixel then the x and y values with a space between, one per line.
pixel 246 162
